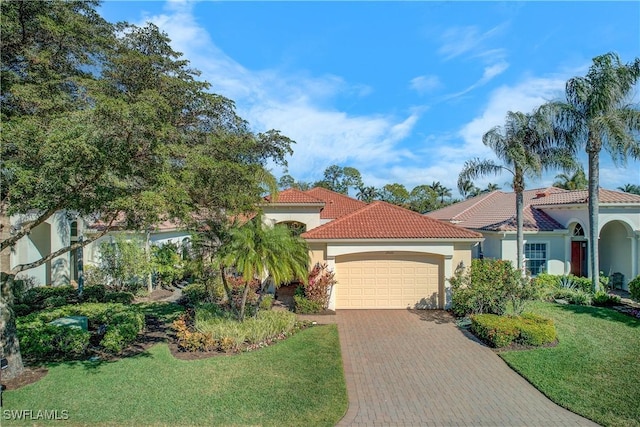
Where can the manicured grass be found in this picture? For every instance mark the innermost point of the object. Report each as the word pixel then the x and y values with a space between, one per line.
pixel 297 382
pixel 595 368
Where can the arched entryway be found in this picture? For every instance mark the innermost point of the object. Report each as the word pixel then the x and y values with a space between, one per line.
pixel 615 250
pixel 297 228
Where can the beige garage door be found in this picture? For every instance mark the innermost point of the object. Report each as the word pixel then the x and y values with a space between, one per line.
pixel 382 280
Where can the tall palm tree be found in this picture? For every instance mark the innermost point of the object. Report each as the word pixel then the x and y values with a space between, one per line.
pixel 576 181
pixel 491 187
pixel 440 190
pixel 465 188
pixel 630 188
pixel 598 114
pixel 524 146
pixel 255 249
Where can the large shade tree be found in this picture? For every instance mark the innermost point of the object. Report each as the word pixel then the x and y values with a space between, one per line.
pixel 525 147
pixel 110 123
pixel 600 113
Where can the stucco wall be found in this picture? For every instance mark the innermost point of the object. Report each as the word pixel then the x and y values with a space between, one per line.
pixel 310 216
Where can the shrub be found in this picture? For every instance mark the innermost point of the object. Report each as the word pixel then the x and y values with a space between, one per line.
pixel 94 293
pixel 501 331
pixel 573 296
pixel 119 297
pixel 319 284
pixel 603 299
pixel 42 297
pixel 634 288
pixel 266 302
pixel 487 287
pixel 123 325
pixel 51 342
pixel 306 306
pixel 195 293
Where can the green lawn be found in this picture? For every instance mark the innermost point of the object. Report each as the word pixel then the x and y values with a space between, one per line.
pixel 594 370
pixel 297 382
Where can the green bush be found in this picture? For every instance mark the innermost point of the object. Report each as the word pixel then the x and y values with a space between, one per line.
pixel 634 288
pixel 573 296
pixel 501 331
pixel 119 297
pixel 604 299
pixel 42 297
pixel 306 306
pixel 94 293
pixel 51 342
pixel 195 293
pixel 488 286
pixel 123 325
pixel 266 302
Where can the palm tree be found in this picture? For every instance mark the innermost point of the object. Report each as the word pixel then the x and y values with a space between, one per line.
pixel 367 193
pixel 630 188
pixel 598 114
pixel 466 188
pixel 440 190
pixel 255 249
pixel 524 147
pixel 577 181
pixel 491 187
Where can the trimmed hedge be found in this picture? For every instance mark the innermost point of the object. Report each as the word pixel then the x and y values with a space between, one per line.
pixel 47 297
pixel 306 306
pixel 41 341
pixel 502 331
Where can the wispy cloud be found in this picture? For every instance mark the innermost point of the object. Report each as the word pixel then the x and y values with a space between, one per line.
pixel 298 104
pixel 457 41
pixel 490 72
pixel 425 84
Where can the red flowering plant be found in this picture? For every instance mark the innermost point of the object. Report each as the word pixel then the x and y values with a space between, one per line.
pixel 318 287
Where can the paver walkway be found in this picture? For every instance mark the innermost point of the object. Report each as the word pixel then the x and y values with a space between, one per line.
pixel 418 368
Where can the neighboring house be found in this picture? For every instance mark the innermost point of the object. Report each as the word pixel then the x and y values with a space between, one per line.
pixel 383 256
pixel 556 224
pixel 65 228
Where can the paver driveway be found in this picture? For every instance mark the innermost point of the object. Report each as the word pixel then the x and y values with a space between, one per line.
pixel 406 368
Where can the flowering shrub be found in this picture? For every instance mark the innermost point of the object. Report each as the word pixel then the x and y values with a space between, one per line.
pixel 318 287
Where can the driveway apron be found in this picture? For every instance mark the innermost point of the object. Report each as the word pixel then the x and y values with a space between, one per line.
pixel 417 368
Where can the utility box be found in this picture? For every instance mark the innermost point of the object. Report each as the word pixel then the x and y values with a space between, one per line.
pixel 80 322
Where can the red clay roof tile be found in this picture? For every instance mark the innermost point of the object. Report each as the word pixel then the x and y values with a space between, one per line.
pixel 294 196
pixel 381 220
pixel 336 204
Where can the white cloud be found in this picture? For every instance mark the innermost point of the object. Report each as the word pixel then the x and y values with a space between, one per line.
pixel 457 41
pixel 490 72
pixel 425 84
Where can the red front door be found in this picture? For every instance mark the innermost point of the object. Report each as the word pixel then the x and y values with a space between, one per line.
pixel 579 258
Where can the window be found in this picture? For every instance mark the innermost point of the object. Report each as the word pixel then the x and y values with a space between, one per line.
pixel 578 231
pixel 535 255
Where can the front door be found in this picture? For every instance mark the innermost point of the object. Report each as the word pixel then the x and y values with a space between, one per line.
pixel 579 258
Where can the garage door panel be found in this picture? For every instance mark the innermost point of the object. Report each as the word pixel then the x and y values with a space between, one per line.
pixel 379 280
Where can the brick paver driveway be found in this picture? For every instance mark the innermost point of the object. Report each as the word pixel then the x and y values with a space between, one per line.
pixel 405 368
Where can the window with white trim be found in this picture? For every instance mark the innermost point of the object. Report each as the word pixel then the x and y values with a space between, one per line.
pixel 535 255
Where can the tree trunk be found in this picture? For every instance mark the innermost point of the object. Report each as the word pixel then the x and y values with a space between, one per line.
pixel 243 302
pixel 8 332
pixel 228 291
pixel 594 182
pixel 519 231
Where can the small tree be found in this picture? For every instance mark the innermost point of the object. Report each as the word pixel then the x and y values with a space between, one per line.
pixel 123 263
pixel 167 264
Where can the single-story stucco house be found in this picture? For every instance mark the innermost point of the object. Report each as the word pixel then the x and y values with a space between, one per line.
pixel 383 256
pixel 556 223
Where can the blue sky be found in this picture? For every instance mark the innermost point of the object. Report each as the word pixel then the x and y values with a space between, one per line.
pixel 402 91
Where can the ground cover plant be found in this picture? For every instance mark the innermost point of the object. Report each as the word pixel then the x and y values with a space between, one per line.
pixel 300 381
pixel 594 369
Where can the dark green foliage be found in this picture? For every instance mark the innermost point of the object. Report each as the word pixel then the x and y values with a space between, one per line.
pixel 501 331
pixel 634 288
pixel 306 306
pixel 49 342
pixel 94 293
pixel 42 342
pixel 603 299
pixel 42 297
pixel 123 297
pixel 487 287
pixel 195 293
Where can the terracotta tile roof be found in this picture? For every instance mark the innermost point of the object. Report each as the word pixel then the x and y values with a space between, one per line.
pixel 496 210
pixel 294 196
pixel 336 204
pixel 582 196
pixel 381 220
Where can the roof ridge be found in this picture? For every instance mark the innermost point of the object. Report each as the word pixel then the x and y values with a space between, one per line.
pixel 480 200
